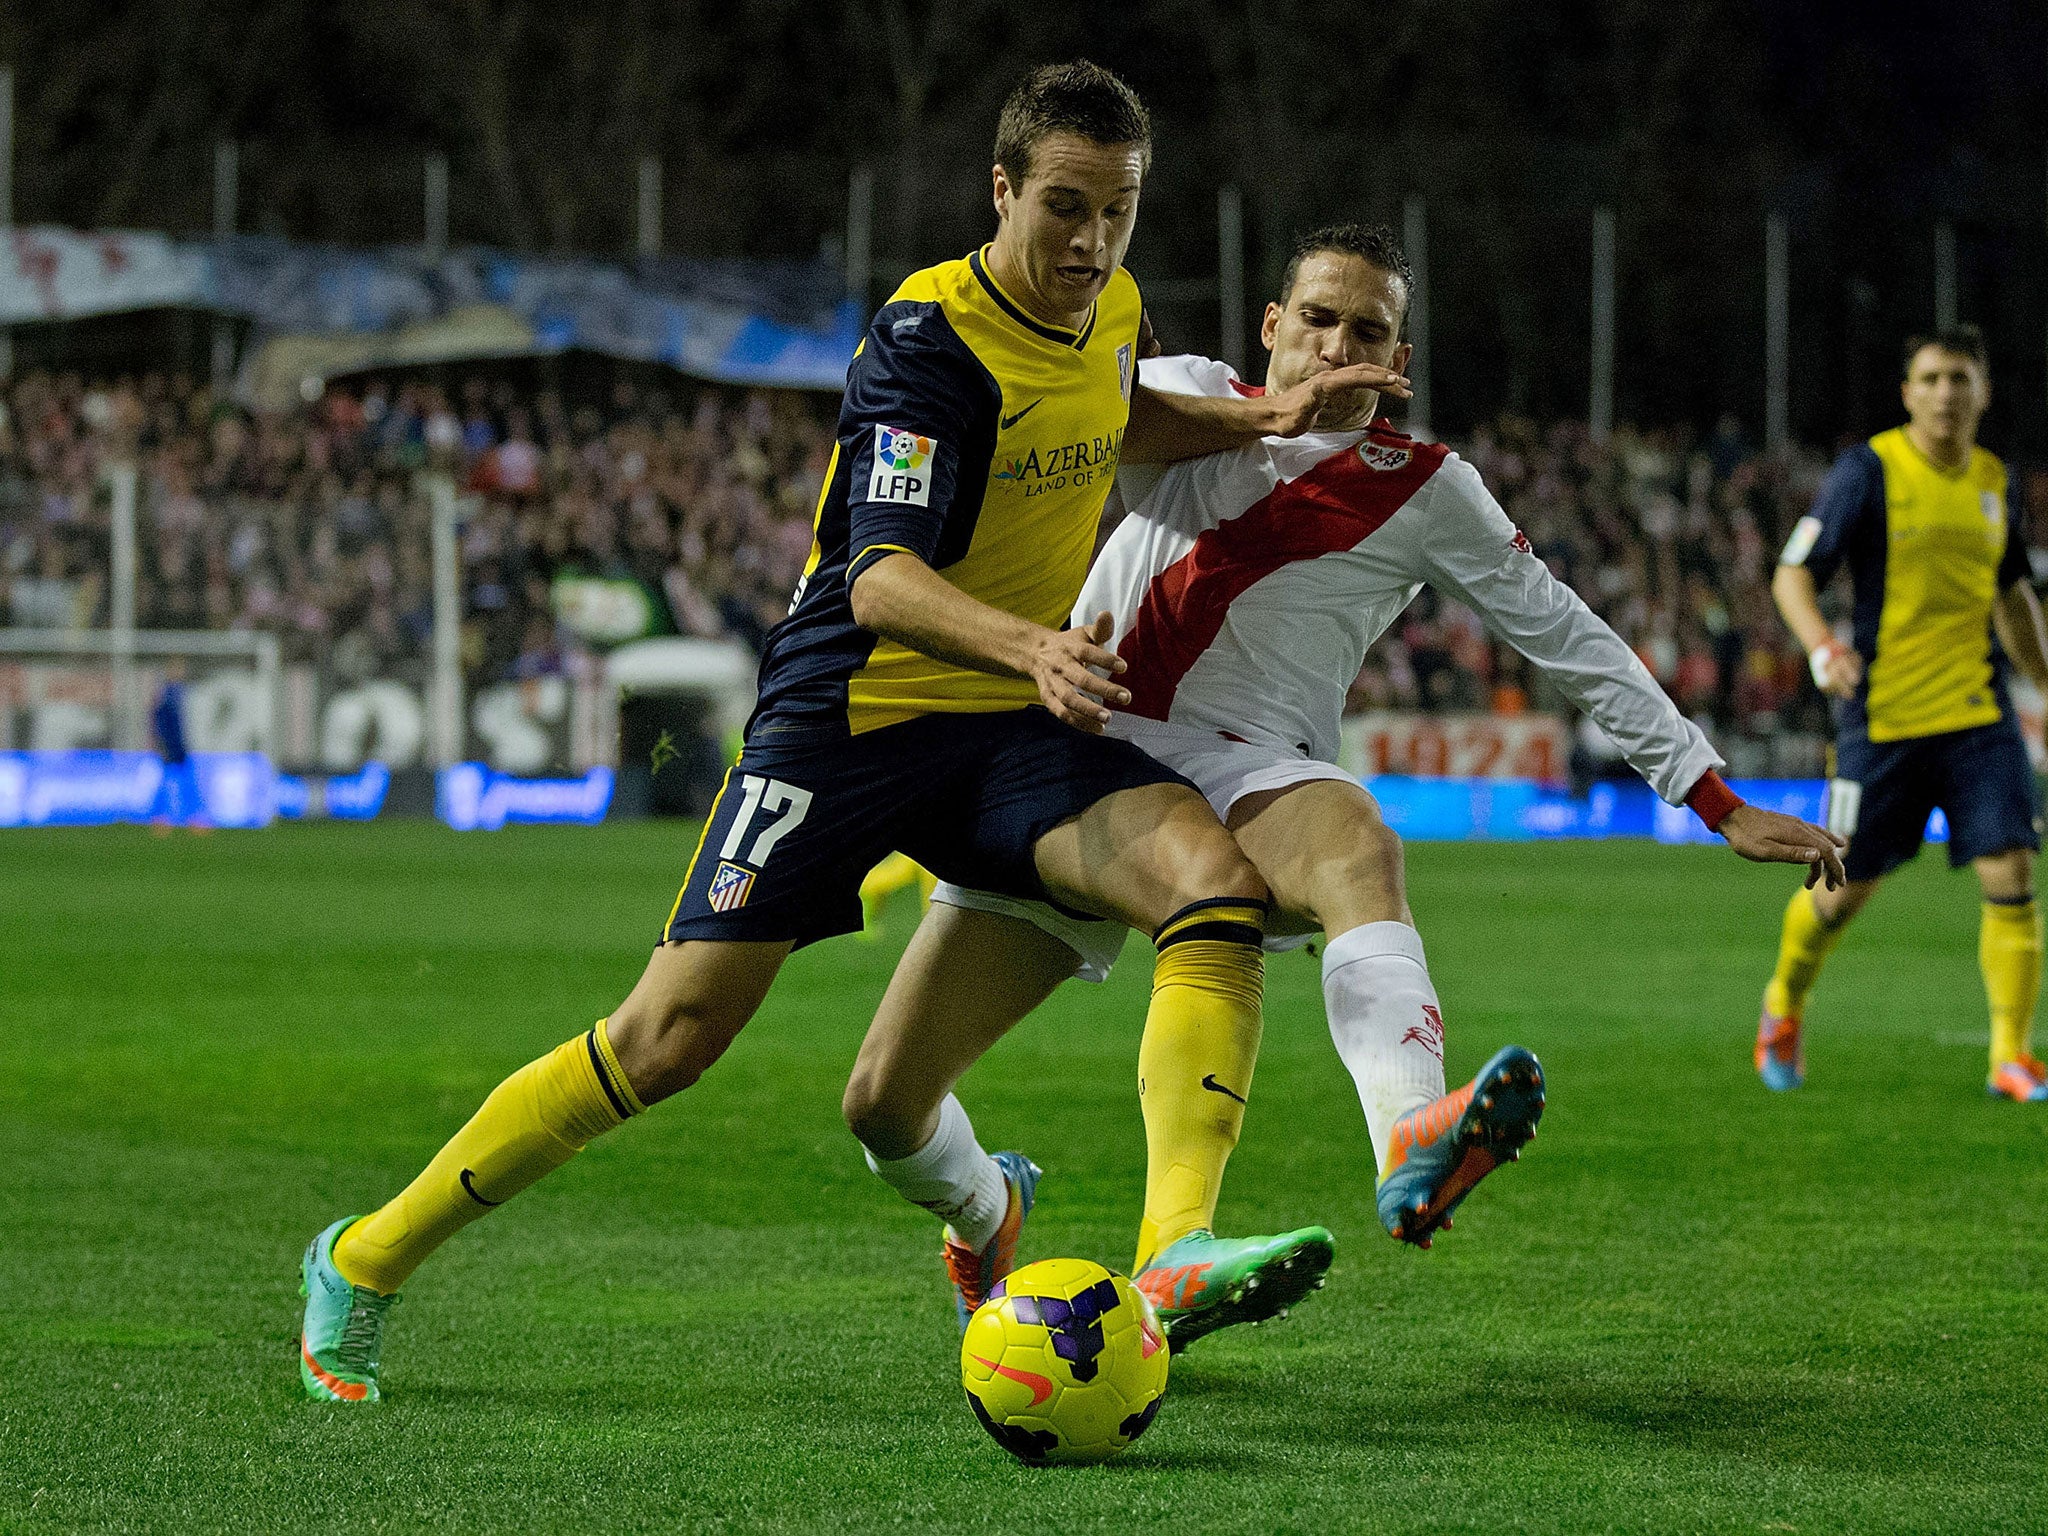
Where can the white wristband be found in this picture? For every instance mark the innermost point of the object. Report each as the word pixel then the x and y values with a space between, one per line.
pixel 1818 658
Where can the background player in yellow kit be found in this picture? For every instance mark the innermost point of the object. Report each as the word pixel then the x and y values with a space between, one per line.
pixel 1921 518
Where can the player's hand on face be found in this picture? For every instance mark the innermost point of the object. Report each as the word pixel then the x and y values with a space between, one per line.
pixel 1771 838
pixel 1336 394
pixel 1066 671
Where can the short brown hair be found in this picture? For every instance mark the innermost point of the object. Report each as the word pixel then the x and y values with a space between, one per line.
pixel 1081 98
pixel 1963 340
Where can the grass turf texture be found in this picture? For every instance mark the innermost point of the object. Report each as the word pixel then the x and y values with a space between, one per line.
pixel 1694 1305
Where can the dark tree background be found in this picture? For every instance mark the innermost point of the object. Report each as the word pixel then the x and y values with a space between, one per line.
pixel 1864 122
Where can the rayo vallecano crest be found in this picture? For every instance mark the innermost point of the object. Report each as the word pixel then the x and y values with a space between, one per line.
pixel 1383 455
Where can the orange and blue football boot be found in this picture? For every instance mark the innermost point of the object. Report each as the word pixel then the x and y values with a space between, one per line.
pixel 343 1332
pixel 1780 1057
pixel 975 1272
pixel 2024 1080
pixel 1202 1282
pixel 1448 1145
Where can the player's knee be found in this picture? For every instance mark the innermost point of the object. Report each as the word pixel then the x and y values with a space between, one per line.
pixel 666 1045
pixel 1378 866
pixel 1208 864
pixel 882 1117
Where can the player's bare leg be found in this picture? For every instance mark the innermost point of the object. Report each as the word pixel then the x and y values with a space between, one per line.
pixel 1815 919
pixel 1333 864
pixel 966 978
pixel 2009 953
pixel 687 1007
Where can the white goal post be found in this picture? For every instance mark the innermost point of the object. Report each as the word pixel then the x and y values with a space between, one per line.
pixel 86 687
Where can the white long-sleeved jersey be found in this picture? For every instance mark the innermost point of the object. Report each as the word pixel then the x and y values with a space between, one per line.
pixel 1247 586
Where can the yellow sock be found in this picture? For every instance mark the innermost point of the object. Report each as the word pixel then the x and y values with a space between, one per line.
pixel 533 1122
pixel 1195 1065
pixel 1802 947
pixel 2009 951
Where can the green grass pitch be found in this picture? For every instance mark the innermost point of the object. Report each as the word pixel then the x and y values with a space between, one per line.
pixel 1693 1306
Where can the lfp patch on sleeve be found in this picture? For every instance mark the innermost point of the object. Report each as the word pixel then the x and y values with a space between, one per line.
pixel 1805 533
pixel 903 467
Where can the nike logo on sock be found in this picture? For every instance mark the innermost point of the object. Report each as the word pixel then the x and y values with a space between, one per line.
pixel 1011 421
pixel 1209 1082
pixel 470 1190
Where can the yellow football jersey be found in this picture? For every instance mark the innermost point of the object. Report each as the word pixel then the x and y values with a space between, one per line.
pixel 1928 551
pixel 983 441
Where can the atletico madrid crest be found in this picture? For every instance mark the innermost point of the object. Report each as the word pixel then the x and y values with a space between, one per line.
pixel 730 886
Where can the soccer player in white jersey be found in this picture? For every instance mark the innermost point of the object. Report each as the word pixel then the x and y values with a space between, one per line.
pixel 1245 589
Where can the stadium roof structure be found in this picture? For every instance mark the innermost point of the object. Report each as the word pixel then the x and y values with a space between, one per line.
pixel 320 311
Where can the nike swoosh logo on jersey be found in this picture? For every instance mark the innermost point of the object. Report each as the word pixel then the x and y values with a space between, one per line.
pixel 1011 421
pixel 1209 1082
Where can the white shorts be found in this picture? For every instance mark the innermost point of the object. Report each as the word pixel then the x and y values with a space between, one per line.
pixel 1225 771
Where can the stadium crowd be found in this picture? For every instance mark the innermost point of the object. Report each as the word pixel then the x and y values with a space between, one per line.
pixel 311 524
pixel 314 523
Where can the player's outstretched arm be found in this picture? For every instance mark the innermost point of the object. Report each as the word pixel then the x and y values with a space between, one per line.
pixel 901 598
pixel 1476 553
pixel 1165 427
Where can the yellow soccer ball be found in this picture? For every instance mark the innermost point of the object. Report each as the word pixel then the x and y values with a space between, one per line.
pixel 1065 1362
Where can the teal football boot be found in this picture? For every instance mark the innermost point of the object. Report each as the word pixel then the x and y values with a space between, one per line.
pixel 343 1330
pixel 1203 1282
pixel 1448 1145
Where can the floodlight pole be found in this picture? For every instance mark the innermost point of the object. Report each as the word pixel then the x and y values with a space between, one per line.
pixel 128 731
pixel 860 236
pixel 1600 396
pixel 648 209
pixel 1777 333
pixel 1944 275
pixel 1230 273
pixel 1415 239
pixel 6 199
pixel 434 206
pixel 445 712
pixel 226 183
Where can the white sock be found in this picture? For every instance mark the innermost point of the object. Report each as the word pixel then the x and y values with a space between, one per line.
pixel 951 1177
pixel 1385 1021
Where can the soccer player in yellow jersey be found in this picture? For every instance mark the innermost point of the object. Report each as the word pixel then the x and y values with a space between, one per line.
pixel 1920 517
pixel 925 695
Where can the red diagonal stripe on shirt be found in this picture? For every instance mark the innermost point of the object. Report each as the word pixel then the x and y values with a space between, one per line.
pixel 1334 506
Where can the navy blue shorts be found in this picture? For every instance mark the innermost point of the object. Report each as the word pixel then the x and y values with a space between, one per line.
pixel 1883 792
pixel 799 823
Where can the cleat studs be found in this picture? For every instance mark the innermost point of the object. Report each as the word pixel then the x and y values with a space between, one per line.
pixel 1320 1283
pixel 1487 1102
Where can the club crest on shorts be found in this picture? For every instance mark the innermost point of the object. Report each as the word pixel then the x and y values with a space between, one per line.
pixel 1383 455
pixel 903 467
pixel 730 886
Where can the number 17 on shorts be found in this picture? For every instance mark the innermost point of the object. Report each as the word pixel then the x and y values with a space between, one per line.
pixel 769 811
pixel 737 887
